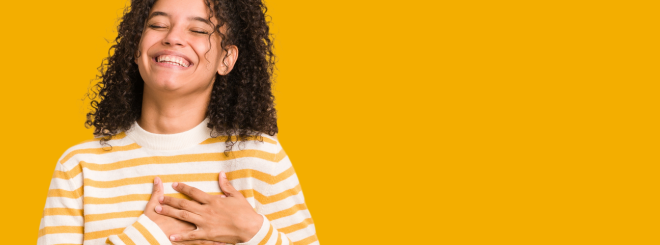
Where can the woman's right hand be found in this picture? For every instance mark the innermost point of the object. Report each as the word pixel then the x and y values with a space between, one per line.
pixel 168 224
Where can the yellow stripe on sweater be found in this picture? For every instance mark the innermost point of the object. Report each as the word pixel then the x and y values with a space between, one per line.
pixel 145 197
pixel 194 177
pixel 277 197
pixel 119 199
pixel 270 179
pixel 286 212
pixel 102 234
pixel 115 215
pixel 149 179
pixel 69 174
pixel 63 211
pixel 145 233
pixel 133 198
pixel 307 240
pixel 234 138
pixel 279 239
pixel 65 193
pixel 298 226
pixel 127 240
pixel 99 151
pixel 60 229
pixel 270 232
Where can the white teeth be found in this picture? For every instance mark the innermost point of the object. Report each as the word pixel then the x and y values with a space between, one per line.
pixel 172 60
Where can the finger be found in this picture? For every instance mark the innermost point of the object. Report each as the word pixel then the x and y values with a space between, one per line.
pixel 189 236
pixel 198 242
pixel 192 192
pixel 226 187
pixel 184 204
pixel 156 193
pixel 178 214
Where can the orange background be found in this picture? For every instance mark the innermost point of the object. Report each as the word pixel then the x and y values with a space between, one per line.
pixel 438 122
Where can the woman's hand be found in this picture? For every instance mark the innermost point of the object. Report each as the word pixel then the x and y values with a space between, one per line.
pixel 225 218
pixel 169 225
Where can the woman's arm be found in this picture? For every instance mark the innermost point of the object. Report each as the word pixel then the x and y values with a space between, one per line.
pixel 62 219
pixel 285 209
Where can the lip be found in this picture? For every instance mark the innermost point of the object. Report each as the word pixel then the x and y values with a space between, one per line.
pixel 170 52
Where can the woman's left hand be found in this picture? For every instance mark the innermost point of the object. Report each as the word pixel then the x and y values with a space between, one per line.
pixel 227 218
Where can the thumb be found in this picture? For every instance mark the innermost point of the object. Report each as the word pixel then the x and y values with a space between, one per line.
pixel 225 186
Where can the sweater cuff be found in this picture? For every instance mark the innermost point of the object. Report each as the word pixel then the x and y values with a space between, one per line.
pixel 143 231
pixel 264 234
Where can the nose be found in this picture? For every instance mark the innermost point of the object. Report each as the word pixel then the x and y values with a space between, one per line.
pixel 174 38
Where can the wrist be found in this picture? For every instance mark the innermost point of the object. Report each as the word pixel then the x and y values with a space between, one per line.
pixel 251 227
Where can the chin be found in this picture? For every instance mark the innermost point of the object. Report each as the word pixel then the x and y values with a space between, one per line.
pixel 169 84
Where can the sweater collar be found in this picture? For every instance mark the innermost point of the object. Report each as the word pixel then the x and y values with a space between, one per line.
pixel 168 142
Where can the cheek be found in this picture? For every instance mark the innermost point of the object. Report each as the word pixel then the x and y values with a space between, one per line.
pixel 206 49
pixel 201 50
pixel 148 40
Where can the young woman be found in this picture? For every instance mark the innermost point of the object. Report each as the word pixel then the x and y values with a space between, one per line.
pixel 186 151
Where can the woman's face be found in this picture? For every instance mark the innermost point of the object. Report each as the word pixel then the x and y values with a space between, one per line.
pixel 175 52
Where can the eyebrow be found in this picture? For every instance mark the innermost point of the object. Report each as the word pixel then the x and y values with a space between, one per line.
pixel 195 18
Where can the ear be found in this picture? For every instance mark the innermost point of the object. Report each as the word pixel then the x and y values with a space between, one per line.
pixel 228 60
pixel 136 56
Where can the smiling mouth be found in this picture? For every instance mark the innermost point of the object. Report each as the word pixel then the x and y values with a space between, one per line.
pixel 172 60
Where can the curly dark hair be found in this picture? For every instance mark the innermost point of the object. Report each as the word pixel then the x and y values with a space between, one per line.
pixel 241 104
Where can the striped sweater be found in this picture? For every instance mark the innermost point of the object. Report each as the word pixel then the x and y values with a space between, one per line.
pixel 97 195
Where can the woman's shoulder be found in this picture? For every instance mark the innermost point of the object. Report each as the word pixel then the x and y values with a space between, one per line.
pixel 268 139
pixel 93 145
pixel 260 143
pixel 265 154
pixel 263 146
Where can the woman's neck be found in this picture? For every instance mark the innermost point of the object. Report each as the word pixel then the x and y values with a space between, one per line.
pixel 170 114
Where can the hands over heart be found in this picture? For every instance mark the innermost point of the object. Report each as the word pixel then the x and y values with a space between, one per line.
pixel 227 218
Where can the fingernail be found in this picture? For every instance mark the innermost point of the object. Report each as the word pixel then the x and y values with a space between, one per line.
pixel 223 175
pixel 158 209
pixel 223 196
pixel 175 184
pixel 156 180
pixel 173 238
pixel 160 199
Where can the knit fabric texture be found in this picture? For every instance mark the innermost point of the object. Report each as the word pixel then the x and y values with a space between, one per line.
pixel 97 195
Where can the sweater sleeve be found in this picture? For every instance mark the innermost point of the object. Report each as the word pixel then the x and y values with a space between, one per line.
pixel 143 231
pixel 63 217
pixel 286 217
pixel 62 221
